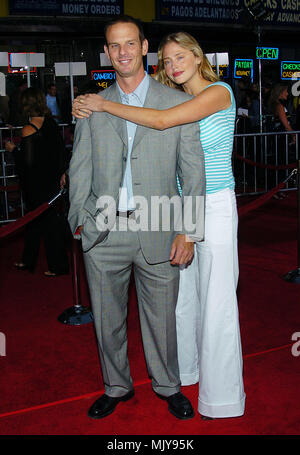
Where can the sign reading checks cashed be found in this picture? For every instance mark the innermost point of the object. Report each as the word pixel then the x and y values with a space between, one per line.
pixel 280 12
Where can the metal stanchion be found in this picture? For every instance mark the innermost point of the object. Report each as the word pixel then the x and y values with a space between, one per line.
pixel 294 275
pixel 76 315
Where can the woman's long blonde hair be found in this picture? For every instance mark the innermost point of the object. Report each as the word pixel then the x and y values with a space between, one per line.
pixel 274 99
pixel 186 41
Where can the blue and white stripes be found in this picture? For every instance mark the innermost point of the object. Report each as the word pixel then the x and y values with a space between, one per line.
pixel 216 134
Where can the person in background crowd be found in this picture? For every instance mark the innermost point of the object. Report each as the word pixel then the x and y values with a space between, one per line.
pixel 252 104
pixel 209 346
pixel 52 102
pixel 281 122
pixel 4 110
pixel 65 103
pixel 296 106
pixel 16 117
pixel 41 163
pixel 76 91
pixel 241 87
pixel 265 93
pixel 277 101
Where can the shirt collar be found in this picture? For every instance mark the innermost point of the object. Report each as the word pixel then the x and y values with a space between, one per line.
pixel 140 92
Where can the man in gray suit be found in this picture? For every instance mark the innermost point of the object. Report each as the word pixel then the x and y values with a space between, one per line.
pixel 122 163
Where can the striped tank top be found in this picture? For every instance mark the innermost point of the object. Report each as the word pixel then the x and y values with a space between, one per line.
pixel 216 135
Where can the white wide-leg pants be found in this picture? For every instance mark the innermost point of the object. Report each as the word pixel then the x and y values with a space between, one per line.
pixel 207 320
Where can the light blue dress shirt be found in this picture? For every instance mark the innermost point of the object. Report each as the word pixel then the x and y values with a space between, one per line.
pixel 136 98
pixel 52 105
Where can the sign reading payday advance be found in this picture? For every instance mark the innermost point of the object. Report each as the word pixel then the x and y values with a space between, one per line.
pixel 67 7
pixel 290 71
pixel 281 12
pixel 243 67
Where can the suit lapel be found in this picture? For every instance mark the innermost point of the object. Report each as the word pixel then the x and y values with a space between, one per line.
pixel 152 100
pixel 118 123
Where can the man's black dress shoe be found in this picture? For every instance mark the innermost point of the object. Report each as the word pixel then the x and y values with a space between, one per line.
pixel 105 405
pixel 179 405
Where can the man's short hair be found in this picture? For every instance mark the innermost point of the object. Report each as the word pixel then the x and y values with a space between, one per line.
pixel 126 20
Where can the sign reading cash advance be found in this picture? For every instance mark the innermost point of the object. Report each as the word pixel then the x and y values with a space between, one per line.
pixel 281 12
pixel 243 67
pixel 290 71
pixel 67 7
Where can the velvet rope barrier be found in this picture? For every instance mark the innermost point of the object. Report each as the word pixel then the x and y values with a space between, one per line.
pixel 260 200
pixel 10 188
pixel 77 314
pixel 265 197
pixel 294 275
pixel 12 227
pixel 266 166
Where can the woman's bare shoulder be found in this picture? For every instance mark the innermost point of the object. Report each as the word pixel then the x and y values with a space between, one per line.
pixel 27 130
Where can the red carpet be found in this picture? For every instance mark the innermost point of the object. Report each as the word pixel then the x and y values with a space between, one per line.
pixel 51 374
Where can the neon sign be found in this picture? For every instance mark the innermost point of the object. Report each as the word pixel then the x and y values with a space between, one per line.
pixel 290 70
pixel 267 53
pixel 104 78
pixel 243 67
pixel 223 70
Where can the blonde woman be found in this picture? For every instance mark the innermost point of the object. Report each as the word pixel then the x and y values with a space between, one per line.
pixel 278 97
pixel 209 346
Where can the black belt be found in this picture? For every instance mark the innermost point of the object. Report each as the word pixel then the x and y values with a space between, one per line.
pixel 125 214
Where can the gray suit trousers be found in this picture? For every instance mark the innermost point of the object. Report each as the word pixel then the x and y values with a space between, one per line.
pixel 108 266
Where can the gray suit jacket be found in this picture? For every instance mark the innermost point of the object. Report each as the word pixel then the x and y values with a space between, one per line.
pixel 98 164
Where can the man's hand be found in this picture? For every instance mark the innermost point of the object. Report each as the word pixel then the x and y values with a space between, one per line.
pixel 182 250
